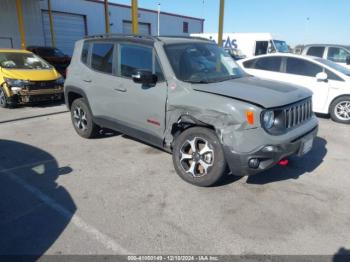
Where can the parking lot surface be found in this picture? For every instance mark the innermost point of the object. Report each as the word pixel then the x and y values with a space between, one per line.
pixel 62 194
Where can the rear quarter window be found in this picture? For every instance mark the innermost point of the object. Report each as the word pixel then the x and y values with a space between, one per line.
pixel 316 51
pixel 85 53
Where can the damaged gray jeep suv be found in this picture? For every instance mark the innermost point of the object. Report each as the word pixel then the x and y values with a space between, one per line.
pixel 188 97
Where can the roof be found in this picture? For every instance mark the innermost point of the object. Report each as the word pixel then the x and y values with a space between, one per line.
pixel 327 45
pixel 148 38
pixel 40 46
pixel 281 54
pixel 11 50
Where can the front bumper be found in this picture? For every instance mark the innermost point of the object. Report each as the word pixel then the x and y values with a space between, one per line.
pixel 267 158
pixel 41 95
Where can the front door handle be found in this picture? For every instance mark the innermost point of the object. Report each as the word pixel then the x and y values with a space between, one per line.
pixel 120 89
pixel 87 80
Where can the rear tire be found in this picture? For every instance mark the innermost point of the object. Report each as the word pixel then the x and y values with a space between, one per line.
pixel 198 157
pixel 340 110
pixel 82 119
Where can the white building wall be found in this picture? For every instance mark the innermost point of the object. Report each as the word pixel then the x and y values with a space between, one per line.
pixel 9 23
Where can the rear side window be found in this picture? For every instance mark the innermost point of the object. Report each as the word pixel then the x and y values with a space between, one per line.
pixel 302 67
pixel 85 53
pixel 316 51
pixel 134 57
pixel 265 63
pixel 102 57
pixel 249 63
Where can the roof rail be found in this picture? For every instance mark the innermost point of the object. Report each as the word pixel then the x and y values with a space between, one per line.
pixel 148 37
pixel 188 37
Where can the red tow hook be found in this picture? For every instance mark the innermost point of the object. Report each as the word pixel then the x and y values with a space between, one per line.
pixel 283 162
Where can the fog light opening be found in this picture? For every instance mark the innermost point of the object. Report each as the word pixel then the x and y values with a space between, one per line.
pixel 254 163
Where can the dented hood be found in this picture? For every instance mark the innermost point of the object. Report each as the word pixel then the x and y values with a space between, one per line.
pixel 265 93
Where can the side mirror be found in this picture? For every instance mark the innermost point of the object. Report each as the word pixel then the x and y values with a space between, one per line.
pixel 322 77
pixel 144 77
pixel 348 60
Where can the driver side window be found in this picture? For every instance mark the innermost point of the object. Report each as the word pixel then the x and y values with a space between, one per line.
pixel 337 55
pixel 133 57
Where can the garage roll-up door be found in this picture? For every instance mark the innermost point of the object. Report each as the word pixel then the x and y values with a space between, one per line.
pixel 68 29
pixel 144 28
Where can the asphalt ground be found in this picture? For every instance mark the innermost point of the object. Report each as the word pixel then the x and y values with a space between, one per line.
pixel 62 194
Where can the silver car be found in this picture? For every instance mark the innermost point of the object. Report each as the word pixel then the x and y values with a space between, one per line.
pixel 188 97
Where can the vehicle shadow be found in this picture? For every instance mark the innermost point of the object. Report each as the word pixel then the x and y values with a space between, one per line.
pixel 34 209
pixel 297 166
pixel 343 255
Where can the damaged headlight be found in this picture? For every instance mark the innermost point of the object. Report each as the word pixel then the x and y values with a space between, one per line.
pixel 268 119
pixel 16 82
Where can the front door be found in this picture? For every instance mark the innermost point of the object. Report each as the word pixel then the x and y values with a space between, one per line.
pixel 143 105
pixel 338 55
pixel 303 72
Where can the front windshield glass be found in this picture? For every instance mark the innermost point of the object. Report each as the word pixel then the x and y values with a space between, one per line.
pixel 281 46
pixel 12 60
pixel 202 63
pixel 335 66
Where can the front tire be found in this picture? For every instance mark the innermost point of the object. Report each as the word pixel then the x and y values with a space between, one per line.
pixel 198 157
pixel 82 119
pixel 340 110
pixel 3 99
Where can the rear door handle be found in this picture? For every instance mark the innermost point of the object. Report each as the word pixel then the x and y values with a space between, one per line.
pixel 120 89
pixel 87 80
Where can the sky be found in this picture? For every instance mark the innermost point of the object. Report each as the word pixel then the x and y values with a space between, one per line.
pixel 295 21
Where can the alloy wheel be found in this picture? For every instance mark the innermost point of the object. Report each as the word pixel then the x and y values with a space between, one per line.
pixel 79 117
pixel 342 110
pixel 196 157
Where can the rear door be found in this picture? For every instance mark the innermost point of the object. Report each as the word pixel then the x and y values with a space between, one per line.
pixel 143 106
pixel 264 67
pixel 100 80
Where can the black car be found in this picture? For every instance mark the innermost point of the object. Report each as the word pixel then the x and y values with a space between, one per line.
pixel 54 56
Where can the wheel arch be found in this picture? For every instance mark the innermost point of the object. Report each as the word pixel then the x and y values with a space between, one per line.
pixel 335 98
pixel 72 93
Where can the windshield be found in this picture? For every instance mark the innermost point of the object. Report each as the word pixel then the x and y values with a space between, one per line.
pixel 12 60
pixel 202 63
pixel 335 66
pixel 47 52
pixel 281 46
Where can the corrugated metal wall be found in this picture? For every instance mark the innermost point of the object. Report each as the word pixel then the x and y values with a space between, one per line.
pixel 9 24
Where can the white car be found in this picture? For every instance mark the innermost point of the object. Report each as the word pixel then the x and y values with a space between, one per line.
pixel 329 81
pixel 336 53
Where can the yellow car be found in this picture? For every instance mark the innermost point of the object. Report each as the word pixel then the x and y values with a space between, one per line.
pixel 26 78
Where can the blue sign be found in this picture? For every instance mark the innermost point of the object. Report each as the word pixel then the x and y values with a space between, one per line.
pixel 228 44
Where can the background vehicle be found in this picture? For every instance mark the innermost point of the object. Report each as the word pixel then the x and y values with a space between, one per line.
pixel 189 97
pixel 329 82
pixel 336 53
pixel 250 44
pixel 25 78
pixel 52 55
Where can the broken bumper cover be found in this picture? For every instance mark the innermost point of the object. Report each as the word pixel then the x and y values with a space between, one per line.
pixel 40 95
pixel 267 156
